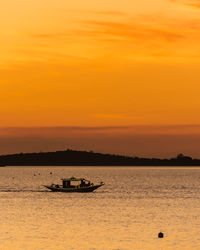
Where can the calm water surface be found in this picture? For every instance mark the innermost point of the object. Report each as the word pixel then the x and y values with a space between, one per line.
pixel 127 213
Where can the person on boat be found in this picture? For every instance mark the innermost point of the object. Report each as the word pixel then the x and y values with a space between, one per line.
pixel 82 183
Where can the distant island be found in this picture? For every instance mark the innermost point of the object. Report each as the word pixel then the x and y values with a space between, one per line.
pixel 85 158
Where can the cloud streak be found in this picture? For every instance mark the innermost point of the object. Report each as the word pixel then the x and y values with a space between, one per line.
pixel 119 31
pixel 190 3
pixel 104 13
pixel 142 37
pixel 134 31
pixel 65 130
pixel 195 4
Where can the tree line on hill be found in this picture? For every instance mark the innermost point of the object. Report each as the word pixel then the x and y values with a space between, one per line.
pixel 85 158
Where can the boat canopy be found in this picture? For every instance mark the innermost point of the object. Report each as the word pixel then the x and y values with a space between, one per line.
pixel 74 179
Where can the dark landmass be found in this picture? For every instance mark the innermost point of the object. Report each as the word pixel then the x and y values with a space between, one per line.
pixel 84 158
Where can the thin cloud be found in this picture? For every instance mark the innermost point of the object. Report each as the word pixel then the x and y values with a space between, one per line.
pixel 134 129
pixel 46 35
pixel 190 3
pixel 49 35
pixel 55 131
pixel 106 13
pixel 112 116
pixel 149 36
pixel 133 30
pixel 195 4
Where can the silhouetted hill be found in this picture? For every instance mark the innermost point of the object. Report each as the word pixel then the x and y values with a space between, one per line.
pixel 84 158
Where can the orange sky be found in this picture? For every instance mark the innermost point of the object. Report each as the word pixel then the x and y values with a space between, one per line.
pixel 95 63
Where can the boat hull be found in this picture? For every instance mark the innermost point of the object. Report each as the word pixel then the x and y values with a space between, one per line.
pixel 72 190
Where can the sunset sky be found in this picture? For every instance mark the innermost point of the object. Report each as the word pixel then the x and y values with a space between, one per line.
pixel 128 68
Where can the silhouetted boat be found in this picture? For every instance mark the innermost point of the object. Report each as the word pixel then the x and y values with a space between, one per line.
pixel 74 185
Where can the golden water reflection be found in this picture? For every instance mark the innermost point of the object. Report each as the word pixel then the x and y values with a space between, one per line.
pixel 127 213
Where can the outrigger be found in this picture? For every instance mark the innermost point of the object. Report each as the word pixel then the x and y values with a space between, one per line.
pixel 74 185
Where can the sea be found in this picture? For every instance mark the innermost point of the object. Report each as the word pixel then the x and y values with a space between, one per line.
pixel 128 212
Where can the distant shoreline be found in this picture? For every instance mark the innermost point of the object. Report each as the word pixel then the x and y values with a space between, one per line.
pixel 84 158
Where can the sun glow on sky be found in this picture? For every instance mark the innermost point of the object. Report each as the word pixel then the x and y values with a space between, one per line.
pixel 87 63
pixel 95 63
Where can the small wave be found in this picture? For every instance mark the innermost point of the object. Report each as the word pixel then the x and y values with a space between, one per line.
pixel 22 190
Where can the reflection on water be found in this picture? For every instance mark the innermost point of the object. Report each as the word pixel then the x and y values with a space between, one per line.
pixel 127 213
